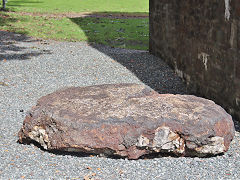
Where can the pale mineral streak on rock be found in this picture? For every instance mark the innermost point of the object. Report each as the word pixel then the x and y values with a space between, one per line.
pixel 39 135
pixel 142 141
pixel 165 139
pixel 216 146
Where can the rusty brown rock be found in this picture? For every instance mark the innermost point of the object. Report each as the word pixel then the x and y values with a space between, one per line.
pixel 128 120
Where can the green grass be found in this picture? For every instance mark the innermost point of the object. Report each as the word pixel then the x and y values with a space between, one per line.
pixel 125 33
pixel 59 6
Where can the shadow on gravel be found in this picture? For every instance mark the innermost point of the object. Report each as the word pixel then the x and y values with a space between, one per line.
pixel 10 47
pixel 151 70
pixel 236 125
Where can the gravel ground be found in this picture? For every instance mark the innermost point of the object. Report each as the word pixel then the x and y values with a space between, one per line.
pixel 30 69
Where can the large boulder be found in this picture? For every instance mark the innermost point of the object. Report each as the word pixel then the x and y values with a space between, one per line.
pixel 128 120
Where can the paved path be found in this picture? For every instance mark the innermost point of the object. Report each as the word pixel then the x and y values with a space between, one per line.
pixel 30 69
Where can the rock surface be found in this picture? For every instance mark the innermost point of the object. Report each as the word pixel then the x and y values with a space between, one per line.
pixel 127 120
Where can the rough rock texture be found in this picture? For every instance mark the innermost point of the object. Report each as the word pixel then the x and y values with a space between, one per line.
pixel 128 120
pixel 201 41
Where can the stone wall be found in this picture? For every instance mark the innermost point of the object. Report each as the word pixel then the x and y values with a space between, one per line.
pixel 200 39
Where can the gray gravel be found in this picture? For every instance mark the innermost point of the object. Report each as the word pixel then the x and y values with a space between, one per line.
pixel 35 68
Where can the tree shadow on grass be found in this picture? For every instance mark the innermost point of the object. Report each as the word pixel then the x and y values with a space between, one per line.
pixel 11 46
pixel 115 29
pixel 130 32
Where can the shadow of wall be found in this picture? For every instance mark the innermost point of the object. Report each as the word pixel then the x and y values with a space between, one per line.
pixel 149 69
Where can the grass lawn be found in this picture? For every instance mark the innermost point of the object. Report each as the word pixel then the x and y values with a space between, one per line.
pixel 126 33
pixel 56 6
